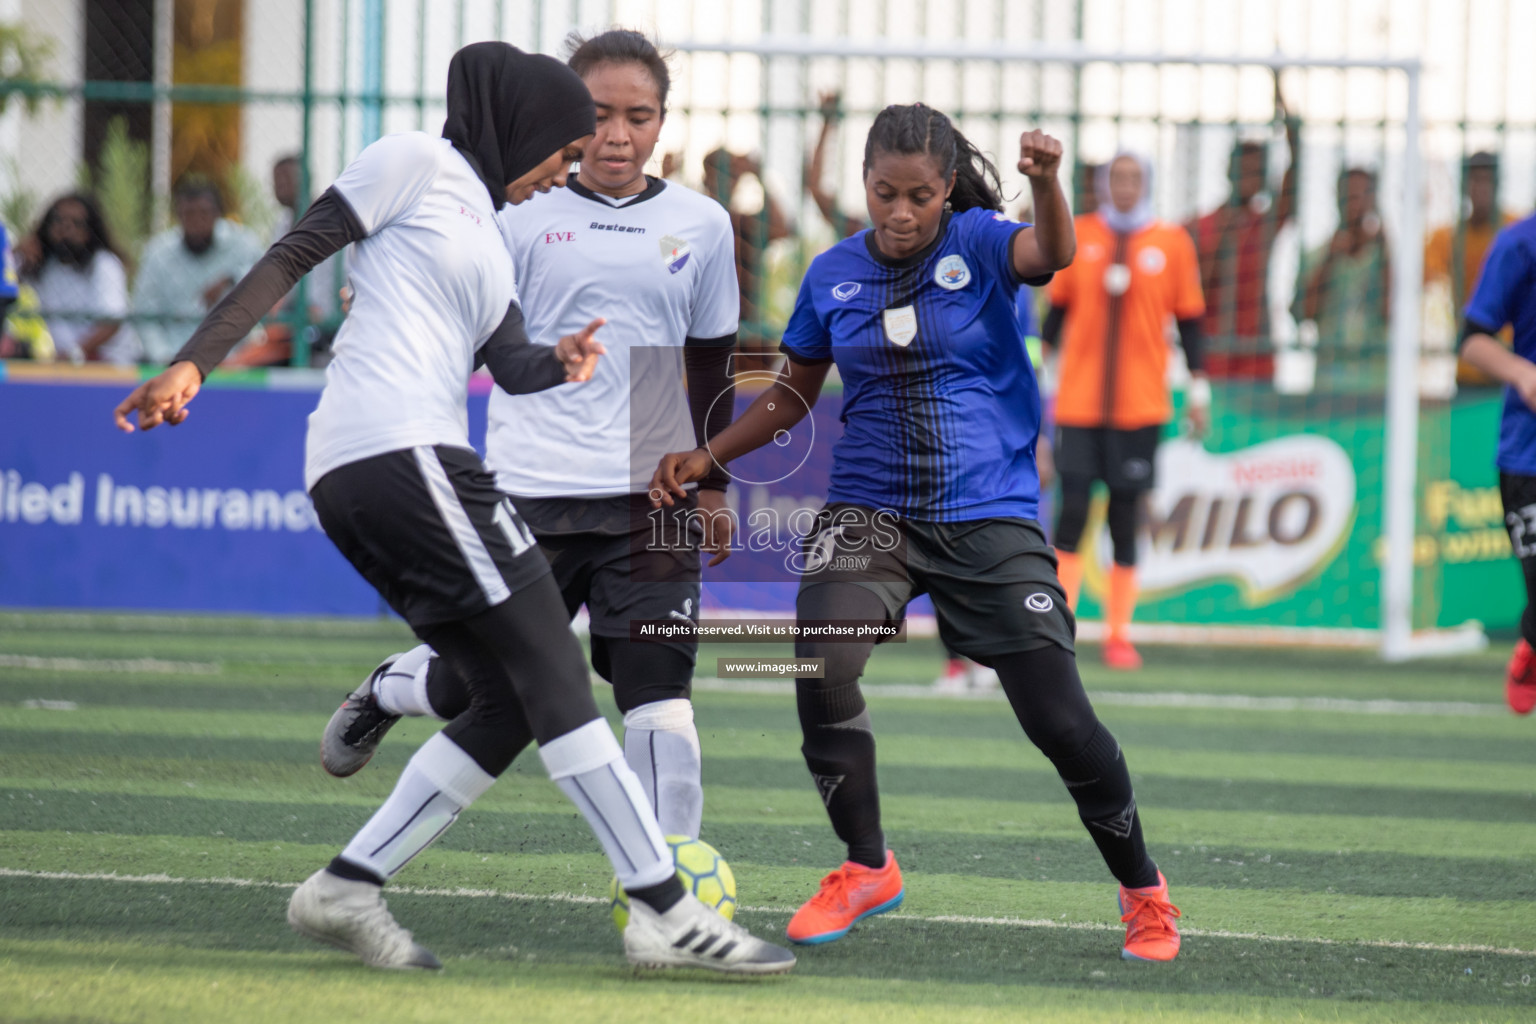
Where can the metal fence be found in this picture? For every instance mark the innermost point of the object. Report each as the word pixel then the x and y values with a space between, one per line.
pixel 225 87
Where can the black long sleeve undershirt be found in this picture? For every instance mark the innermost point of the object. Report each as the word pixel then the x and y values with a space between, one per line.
pixel 708 365
pixel 1472 327
pixel 1192 340
pixel 327 227
pixel 1050 331
pixel 518 366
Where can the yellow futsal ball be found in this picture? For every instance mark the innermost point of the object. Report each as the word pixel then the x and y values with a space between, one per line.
pixel 702 871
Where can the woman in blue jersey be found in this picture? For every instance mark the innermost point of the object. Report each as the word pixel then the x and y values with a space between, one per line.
pixel 935 489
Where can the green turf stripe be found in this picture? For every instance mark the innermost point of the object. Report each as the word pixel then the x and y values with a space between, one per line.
pixel 1305 913
pixel 798 805
pixel 123 758
pixel 1053 845
pixel 214 734
pixel 101 979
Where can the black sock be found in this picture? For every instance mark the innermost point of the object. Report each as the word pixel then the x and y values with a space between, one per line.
pixel 660 897
pixel 839 749
pixel 1099 781
pixel 346 869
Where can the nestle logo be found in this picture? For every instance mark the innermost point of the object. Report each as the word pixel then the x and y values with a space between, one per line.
pixel 552 237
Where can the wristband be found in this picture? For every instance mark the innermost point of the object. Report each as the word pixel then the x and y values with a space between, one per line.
pixel 1198 392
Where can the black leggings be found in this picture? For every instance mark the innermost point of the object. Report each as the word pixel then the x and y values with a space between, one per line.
pixel 1124 507
pixel 1047 697
pixel 640 673
pixel 521 669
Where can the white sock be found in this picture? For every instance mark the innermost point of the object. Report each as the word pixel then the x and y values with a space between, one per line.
pixel 439 781
pixel 662 746
pixel 588 766
pixel 402 688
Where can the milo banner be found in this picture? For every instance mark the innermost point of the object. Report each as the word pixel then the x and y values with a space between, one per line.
pixel 1276 520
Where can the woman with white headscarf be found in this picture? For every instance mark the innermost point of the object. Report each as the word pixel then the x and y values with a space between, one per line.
pixel 1109 312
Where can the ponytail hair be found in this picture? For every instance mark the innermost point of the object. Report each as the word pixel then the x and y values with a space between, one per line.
pixel 917 128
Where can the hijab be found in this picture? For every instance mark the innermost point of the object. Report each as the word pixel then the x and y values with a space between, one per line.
pixel 508 111
pixel 1140 215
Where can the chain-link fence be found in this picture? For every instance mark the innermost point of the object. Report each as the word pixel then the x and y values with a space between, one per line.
pixel 127 98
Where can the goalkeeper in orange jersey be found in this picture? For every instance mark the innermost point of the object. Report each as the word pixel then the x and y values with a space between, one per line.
pixel 1110 312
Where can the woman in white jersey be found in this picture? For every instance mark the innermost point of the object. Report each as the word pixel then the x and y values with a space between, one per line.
pixel 577 461
pixel 400 491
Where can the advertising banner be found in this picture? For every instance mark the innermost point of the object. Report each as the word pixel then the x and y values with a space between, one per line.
pixel 1276 524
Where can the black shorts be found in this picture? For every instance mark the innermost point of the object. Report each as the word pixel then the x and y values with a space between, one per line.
pixel 428 528
pixel 992 581
pixel 1519 495
pixel 622 559
pixel 1126 460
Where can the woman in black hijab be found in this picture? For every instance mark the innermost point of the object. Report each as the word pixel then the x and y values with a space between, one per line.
pixel 400 491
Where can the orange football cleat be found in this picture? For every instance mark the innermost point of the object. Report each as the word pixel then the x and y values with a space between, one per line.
pixel 848 895
pixel 1119 654
pixel 1150 933
pixel 1520 683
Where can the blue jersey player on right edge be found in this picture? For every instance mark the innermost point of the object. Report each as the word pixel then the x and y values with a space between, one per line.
pixel 1506 294
pixel 934 490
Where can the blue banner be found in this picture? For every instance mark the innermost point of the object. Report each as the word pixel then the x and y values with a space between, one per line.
pixel 210 516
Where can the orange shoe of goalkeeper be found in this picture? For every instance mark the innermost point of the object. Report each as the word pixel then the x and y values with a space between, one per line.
pixel 1150 933
pixel 847 896
pixel 1520 683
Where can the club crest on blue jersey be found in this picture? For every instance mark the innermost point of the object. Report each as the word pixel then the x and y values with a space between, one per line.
pixel 901 325
pixel 845 291
pixel 952 274
pixel 674 253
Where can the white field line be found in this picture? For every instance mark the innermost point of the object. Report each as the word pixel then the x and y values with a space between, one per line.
pixel 155 665
pixel 1003 922
pixel 1114 698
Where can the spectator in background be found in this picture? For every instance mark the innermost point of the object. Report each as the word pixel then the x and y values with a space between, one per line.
pixel 842 224
pixel 23 335
pixel 1345 286
pixel 1454 254
pixel 723 170
pixel 1085 195
pixel 188 268
pixel 10 282
pixel 1234 242
pixel 82 287
pixel 273 345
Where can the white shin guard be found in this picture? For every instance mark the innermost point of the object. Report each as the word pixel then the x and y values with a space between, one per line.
pixel 662 746
pixel 402 689
pixel 439 781
pixel 588 766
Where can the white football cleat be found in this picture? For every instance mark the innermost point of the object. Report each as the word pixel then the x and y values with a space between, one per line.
pixel 693 935
pixel 353 916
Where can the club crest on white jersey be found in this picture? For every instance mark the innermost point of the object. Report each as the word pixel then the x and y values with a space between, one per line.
pixel 845 291
pixel 901 325
pixel 674 252
pixel 952 274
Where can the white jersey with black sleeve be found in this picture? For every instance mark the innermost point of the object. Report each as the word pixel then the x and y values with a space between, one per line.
pixel 660 266
pixel 431 282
